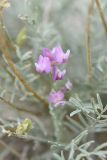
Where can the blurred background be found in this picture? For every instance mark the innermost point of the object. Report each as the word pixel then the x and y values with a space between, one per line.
pixel 29 26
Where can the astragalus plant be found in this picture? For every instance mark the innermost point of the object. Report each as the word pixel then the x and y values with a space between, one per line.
pixel 53 80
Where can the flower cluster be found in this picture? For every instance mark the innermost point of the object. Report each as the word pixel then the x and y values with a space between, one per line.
pixel 49 62
pixel 56 97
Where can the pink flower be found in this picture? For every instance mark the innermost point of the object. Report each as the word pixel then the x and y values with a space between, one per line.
pixel 43 65
pixel 56 97
pixel 49 61
pixel 59 56
pixel 58 74
pixel 56 56
pixel 47 53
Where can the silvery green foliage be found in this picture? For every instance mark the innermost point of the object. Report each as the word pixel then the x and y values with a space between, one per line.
pixel 92 119
pixel 70 130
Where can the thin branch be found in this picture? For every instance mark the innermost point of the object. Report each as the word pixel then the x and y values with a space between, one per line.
pixel 42 140
pixel 18 74
pixel 103 18
pixel 88 39
pixel 6 70
pixel 12 105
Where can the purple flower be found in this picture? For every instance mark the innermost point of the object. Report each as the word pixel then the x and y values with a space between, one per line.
pixel 59 56
pixel 43 65
pixel 50 59
pixel 56 56
pixel 56 97
pixel 58 74
pixel 47 53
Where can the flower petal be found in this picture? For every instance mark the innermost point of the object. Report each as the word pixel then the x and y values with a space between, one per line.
pixel 56 97
pixel 43 65
pixel 58 74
